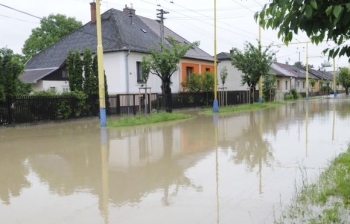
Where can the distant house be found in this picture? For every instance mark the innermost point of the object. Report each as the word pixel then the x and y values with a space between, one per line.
pixel 126 39
pixel 233 80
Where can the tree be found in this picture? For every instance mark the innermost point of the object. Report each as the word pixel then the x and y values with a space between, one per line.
pixel 321 20
pixel 10 69
pixel 164 63
pixel 88 76
pixel 51 30
pixel 312 82
pixel 75 71
pixel 344 79
pixel 269 89
pixel 223 75
pixel 193 83
pixel 324 65
pixel 253 62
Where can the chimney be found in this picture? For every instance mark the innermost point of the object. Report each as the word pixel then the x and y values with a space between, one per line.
pixel 93 11
pixel 129 11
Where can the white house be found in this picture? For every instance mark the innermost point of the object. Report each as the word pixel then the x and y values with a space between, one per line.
pixel 126 38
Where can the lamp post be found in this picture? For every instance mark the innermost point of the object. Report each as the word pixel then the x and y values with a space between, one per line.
pixel 215 103
pixel 101 84
pixel 334 82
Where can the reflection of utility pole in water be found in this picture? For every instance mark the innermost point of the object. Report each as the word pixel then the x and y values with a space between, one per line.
pixel 260 159
pixel 105 179
pixel 333 120
pixel 215 119
pixel 307 124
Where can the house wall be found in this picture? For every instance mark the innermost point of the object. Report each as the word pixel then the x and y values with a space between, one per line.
pixel 199 67
pixel 47 85
pixel 233 80
pixel 121 71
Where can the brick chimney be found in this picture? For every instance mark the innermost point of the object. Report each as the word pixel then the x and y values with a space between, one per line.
pixel 93 12
pixel 129 11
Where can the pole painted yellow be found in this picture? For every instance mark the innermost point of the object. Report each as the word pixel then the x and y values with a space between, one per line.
pixel 101 84
pixel 334 82
pixel 307 70
pixel 215 103
pixel 260 79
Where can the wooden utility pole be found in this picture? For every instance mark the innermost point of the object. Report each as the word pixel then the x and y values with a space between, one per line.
pixel 160 16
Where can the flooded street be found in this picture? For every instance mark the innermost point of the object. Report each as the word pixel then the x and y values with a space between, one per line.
pixel 235 168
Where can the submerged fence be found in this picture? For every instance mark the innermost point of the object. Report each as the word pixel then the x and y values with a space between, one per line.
pixel 32 109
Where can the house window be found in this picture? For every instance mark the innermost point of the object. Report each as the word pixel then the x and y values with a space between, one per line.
pixel 52 88
pixel 207 69
pixel 298 84
pixel 65 89
pixel 304 85
pixel 286 85
pixel 278 84
pixel 139 72
pixel 189 71
pixel 64 73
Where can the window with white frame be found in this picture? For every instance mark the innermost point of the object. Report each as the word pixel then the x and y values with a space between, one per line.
pixel 286 85
pixel 139 72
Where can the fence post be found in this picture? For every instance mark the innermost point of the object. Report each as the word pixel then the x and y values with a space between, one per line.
pixel 133 103
pixel 118 104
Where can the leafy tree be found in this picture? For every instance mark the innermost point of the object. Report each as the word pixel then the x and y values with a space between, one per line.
pixel 164 63
pixel 193 83
pixel 208 82
pixel 253 63
pixel 10 69
pixel 51 30
pixel 94 76
pixel 344 79
pixel 325 65
pixel 269 90
pixel 312 82
pixel 75 71
pixel 223 75
pixel 321 20
pixel 88 76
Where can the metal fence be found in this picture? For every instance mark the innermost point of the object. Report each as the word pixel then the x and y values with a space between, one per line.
pixel 33 109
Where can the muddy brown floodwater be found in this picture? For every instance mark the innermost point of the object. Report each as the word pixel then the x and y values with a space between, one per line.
pixel 227 169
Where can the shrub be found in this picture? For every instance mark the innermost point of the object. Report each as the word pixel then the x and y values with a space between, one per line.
pixel 288 96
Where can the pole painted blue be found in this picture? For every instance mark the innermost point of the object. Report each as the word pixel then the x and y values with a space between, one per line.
pixel 103 117
pixel 215 106
pixel 260 100
pixel 335 94
pixel 307 96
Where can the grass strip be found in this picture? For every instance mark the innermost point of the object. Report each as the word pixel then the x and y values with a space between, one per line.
pixel 244 107
pixel 146 119
pixel 325 201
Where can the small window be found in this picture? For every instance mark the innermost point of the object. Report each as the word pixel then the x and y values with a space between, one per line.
pixel 64 73
pixel 143 30
pixel 52 88
pixel 65 89
pixel 207 69
pixel 286 85
pixel 139 72
pixel 189 71
pixel 303 85
pixel 278 84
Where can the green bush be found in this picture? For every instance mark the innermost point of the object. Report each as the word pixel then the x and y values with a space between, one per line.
pixel 288 96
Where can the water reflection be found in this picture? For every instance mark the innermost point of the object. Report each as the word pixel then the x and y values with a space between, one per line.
pixel 123 168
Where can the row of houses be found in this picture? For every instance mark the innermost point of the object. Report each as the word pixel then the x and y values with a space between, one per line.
pixel 126 38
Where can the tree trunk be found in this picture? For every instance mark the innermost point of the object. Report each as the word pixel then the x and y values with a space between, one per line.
pixel 168 95
pixel 252 92
pixel 347 91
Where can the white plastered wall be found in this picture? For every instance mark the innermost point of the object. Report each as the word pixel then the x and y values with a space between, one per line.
pixel 117 64
pixel 233 80
pixel 47 85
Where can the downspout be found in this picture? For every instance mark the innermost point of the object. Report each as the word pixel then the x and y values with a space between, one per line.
pixel 127 76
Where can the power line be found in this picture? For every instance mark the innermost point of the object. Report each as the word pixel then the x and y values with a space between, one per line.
pixel 20 11
pixel 19 19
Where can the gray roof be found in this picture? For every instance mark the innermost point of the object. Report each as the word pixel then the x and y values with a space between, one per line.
pixel 222 56
pixel 33 75
pixel 119 33
pixel 284 71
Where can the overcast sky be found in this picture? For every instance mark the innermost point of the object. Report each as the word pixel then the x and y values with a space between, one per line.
pixel 192 20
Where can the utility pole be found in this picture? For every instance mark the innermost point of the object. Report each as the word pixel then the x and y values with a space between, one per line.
pixel 160 16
